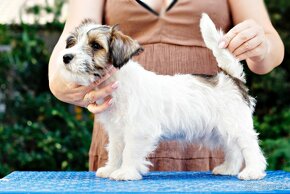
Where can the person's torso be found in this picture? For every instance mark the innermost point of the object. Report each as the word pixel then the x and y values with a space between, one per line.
pixel 171 38
pixel 178 24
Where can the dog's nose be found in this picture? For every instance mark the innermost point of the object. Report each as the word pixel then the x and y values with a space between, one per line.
pixel 67 58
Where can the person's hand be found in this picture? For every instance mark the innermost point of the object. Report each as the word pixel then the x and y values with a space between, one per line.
pixel 84 96
pixel 247 40
pixel 103 93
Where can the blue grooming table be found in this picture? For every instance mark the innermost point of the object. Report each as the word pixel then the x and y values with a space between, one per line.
pixel 165 182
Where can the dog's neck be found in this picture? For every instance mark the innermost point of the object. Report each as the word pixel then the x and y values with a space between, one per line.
pixel 130 71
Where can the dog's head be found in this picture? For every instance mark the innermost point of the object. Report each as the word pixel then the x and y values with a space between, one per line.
pixel 92 48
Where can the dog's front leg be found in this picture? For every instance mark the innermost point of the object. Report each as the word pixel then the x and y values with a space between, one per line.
pixel 134 164
pixel 115 150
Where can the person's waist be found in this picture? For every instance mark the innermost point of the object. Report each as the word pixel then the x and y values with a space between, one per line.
pixel 169 42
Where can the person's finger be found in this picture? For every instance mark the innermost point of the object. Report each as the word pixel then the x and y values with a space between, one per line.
pixel 242 38
pixel 248 45
pixel 225 41
pixel 98 108
pixel 95 95
pixel 256 52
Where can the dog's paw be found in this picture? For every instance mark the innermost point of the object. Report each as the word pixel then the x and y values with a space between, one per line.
pixel 105 171
pixel 126 174
pixel 250 174
pixel 224 170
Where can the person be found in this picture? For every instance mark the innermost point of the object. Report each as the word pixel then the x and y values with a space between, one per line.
pixel 168 30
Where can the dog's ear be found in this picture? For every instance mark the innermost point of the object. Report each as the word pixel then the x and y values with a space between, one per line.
pixel 122 48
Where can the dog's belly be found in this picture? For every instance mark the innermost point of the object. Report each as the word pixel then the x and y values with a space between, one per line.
pixel 206 137
pixel 177 136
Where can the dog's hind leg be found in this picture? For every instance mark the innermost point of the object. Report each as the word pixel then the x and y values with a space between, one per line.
pixel 115 150
pixel 134 164
pixel 255 163
pixel 233 160
pixel 241 145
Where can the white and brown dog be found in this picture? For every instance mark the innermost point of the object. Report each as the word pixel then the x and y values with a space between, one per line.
pixel 213 111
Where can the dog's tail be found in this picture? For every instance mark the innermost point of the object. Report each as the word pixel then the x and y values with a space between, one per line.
pixel 226 61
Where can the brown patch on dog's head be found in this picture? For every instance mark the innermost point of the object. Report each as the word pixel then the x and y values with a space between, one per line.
pixel 122 48
pixel 98 45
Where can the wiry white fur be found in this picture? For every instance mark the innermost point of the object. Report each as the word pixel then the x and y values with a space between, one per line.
pixel 148 108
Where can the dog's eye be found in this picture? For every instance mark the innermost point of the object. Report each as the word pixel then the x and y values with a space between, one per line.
pixel 70 41
pixel 96 46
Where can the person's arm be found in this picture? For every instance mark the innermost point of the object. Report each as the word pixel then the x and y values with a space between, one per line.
pixel 71 92
pixel 254 39
pixel 77 12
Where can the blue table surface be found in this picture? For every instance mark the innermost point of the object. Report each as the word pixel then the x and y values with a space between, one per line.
pixel 166 182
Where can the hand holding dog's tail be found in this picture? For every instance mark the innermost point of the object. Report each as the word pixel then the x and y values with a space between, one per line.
pixel 226 61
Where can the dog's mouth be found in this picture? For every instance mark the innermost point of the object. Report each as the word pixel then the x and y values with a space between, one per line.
pixel 105 73
pixel 102 71
pixel 97 72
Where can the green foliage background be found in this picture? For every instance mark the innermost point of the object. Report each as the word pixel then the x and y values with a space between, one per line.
pixel 38 132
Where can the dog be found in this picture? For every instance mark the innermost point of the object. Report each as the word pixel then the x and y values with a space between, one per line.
pixel 213 111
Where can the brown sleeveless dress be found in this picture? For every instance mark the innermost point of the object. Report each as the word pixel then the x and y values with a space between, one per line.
pixel 173 44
